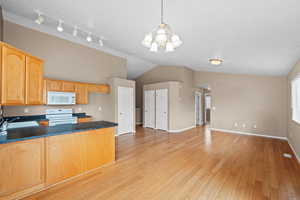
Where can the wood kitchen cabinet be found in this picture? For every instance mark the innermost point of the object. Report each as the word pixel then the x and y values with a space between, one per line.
pixel 34 81
pixel 68 86
pixel 64 157
pixel 84 119
pixel 103 88
pixel 72 154
pixel 54 85
pixel 22 167
pixel 33 165
pixel 21 77
pixel 81 93
pixel 12 76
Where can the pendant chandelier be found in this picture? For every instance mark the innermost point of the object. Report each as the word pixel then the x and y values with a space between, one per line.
pixel 162 38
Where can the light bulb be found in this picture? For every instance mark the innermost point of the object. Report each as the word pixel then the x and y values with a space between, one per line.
pixel 169 47
pixel 75 31
pixel 147 40
pixel 40 19
pixel 176 41
pixel 89 37
pixel 154 47
pixel 59 27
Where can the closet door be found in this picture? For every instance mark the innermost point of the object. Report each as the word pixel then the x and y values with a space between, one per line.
pixel 149 109
pixel 161 109
pixel 125 110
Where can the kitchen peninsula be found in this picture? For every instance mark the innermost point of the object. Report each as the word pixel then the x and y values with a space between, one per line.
pixel 36 158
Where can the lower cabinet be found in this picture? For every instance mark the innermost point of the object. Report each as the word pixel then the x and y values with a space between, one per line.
pixel 72 154
pixel 32 165
pixel 22 167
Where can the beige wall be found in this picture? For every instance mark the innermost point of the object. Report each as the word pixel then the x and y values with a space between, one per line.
pixel 183 115
pixel 293 127
pixel 68 61
pixel 247 99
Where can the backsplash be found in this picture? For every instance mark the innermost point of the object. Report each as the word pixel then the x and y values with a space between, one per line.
pixel 99 108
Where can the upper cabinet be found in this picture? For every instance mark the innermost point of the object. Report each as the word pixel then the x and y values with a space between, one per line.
pixel 34 81
pixel 54 85
pixel 81 89
pixel 81 93
pixel 12 77
pixel 21 77
pixel 68 86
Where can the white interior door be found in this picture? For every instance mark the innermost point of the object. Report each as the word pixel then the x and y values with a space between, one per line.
pixel 149 108
pixel 161 114
pixel 125 110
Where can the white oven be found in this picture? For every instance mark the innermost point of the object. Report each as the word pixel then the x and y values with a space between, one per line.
pixel 61 98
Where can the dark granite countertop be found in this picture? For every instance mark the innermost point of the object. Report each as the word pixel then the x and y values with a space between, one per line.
pixel 41 117
pixel 19 134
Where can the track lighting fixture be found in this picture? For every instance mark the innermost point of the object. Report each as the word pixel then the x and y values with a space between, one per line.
pixel 70 29
pixel 101 42
pixel 40 19
pixel 60 27
pixel 75 31
pixel 89 37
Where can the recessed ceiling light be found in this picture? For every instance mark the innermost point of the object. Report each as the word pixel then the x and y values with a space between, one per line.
pixel 215 61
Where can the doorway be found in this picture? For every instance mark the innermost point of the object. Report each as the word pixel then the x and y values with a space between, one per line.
pixel 125 110
pixel 198 109
pixel 207 108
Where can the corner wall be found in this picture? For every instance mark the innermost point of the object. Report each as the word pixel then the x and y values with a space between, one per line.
pixel 247 99
pixel 293 127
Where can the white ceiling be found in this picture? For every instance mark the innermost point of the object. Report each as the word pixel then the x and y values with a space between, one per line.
pixel 251 36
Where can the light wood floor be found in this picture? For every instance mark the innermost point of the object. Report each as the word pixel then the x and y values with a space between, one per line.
pixel 195 164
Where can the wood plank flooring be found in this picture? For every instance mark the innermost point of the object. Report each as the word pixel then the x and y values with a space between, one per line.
pixel 196 164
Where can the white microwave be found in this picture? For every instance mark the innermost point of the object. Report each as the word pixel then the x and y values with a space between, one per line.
pixel 61 98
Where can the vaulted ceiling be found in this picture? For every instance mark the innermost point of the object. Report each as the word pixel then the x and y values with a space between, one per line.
pixel 252 36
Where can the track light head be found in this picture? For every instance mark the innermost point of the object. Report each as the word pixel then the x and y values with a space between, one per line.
pixel 75 31
pixel 60 27
pixel 89 37
pixel 40 19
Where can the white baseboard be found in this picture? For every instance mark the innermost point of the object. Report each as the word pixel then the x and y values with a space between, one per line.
pixel 295 153
pixel 247 133
pixel 181 130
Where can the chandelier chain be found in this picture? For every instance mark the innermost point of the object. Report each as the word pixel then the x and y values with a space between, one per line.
pixel 162 12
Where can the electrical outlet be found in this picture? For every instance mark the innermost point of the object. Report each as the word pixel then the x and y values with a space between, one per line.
pixel 254 126
pixel 99 108
pixel 236 124
pixel 79 109
pixel 244 125
pixel 26 110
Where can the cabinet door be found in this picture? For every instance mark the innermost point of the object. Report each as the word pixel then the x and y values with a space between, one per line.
pixel 85 119
pixel 64 157
pixel 13 77
pixel 98 88
pixel 68 86
pixel 81 93
pixel 100 147
pixel 54 85
pixel 22 166
pixel 34 81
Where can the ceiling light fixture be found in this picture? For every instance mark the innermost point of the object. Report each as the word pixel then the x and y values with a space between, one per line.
pixel 75 31
pixel 89 37
pixel 162 38
pixel 60 27
pixel 215 61
pixel 40 19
